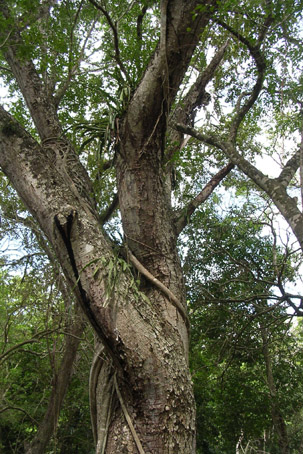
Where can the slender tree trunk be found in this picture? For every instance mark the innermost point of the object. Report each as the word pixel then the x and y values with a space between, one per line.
pixel 277 417
pixel 60 385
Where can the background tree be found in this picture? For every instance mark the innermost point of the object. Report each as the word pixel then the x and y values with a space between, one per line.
pixel 37 365
pixel 245 355
pixel 272 77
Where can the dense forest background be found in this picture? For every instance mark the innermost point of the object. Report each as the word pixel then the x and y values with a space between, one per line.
pixel 239 147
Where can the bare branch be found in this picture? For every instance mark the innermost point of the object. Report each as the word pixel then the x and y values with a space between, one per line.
pixel 139 22
pixel 73 28
pixel 202 196
pixel 230 150
pixel 12 407
pixel 266 25
pixel 72 71
pixel 209 139
pixel 235 33
pixel 277 192
pixel 6 39
pixel 195 98
pixel 4 68
pixel 34 339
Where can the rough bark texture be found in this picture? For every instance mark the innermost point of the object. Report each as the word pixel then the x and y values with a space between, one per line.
pixel 141 391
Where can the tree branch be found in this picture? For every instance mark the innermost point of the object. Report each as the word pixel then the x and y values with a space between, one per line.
pixel 201 197
pixel 230 150
pixel 40 104
pixel 261 67
pixel 195 98
pixel 149 105
pixel 34 339
pixel 109 211
pixel 6 39
pixel 234 33
pixel 72 69
pixel 290 169
pixel 116 39
pixel 140 21
pixel 271 186
pixel 12 407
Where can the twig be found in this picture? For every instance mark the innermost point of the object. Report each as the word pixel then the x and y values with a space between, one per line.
pixel 6 39
pixel 11 407
pixel 126 11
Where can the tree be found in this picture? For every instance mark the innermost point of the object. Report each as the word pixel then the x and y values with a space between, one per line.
pixel 123 96
pixel 273 54
pixel 144 332
pixel 245 355
pixel 39 342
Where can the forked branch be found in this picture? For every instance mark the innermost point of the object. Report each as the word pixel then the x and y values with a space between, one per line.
pixel 195 98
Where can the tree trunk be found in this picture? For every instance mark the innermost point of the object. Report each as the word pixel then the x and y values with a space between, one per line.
pixel 277 417
pixel 60 385
pixel 141 334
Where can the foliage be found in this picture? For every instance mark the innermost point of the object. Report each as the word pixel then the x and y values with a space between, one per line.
pixel 227 351
pixel 31 348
